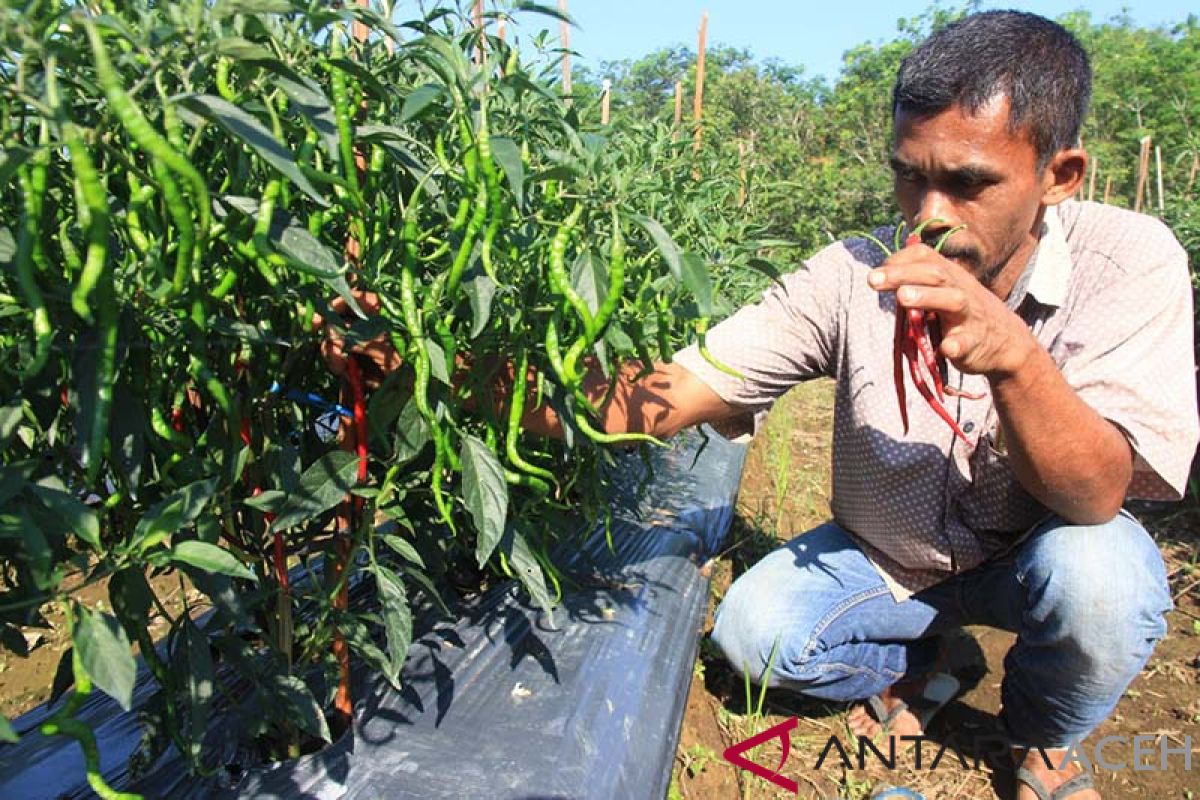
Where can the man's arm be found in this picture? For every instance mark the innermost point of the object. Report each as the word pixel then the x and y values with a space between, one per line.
pixel 1074 461
pixel 661 403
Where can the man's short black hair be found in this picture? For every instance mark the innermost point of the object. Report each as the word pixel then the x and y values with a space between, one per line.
pixel 1036 63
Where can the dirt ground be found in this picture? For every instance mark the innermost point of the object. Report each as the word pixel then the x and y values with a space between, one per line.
pixel 785 492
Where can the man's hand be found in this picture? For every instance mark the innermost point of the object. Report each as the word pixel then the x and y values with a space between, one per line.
pixel 376 357
pixel 980 335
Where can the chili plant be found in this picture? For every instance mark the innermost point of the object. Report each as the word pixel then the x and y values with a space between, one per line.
pixel 183 187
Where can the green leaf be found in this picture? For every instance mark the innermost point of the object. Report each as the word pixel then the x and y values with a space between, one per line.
pixel 589 276
pixel 397 622
pixel 10 417
pixel 403 547
pixel 7 734
pixel 295 695
pixel 131 597
pixel 244 332
pixel 210 558
pixel 412 433
pixel 507 154
pixel 36 554
pixel 270 501
pixel 309 99
pixel 228 7
pixel 240 49
pixel 105 654
pixel 766 268
pixel 698 282
pixel 437 361
pixel 127 436
pixel 252 132
pixel 528 571
pixel 199 679
pixel 485 493
pixel 418 100
pixel 322 486
pixel 480 292
pixel 663 241
pixel 175 511
pixel 8 247
pixel 306 252
pixel 76 517
pixel 12 158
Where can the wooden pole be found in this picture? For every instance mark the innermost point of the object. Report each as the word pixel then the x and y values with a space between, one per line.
pixel 1158 168
pixel 605 100
pixel 501 29
pixel 1092 180
pixel 678 104
pixel 1142 174
pixel 698 101
pixel 564 36
pixel 478 20
pixel 1195 170
pixel 1108 189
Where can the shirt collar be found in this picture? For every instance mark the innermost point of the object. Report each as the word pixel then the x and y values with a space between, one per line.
pixel 1049 271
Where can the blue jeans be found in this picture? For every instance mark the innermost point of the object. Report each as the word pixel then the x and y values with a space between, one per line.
pixel 1087 604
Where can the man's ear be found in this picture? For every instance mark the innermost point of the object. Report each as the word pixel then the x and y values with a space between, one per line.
pixel 1063 176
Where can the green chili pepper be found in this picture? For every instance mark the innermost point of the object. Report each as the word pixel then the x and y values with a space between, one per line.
pixel 516 410
pixel 474 226
pixel 435 483
pixel 131 118
pixel 560 279
pixel 701 331
pixel 33 187
pixel 95 203
pixel 181 216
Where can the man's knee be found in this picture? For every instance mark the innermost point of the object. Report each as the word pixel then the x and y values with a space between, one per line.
pixel 750 626
pixel 1100 589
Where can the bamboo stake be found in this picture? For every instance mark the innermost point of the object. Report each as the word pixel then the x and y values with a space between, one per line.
pixel 1195 169
pixel 605 100
pixel 698 102
pixel 678 104
pixel 1108 189
pixel 1092 181
pixel 1158 168
pixel 478 20
pixel 564 36
pixel 501 29
pixel 1142 174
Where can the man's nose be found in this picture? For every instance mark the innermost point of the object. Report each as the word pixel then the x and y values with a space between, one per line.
pixel 937 211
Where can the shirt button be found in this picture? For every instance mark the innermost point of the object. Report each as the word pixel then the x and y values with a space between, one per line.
pixel 970 426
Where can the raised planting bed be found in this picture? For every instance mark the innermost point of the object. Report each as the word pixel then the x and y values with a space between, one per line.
pixel 504 701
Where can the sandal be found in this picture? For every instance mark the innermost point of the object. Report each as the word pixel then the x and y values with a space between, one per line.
pixel 939 690
pixel 1076 784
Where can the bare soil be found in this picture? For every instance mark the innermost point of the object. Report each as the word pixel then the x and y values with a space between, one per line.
pixel 784 492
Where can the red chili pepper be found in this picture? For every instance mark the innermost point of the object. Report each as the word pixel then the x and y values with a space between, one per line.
pixel 918 335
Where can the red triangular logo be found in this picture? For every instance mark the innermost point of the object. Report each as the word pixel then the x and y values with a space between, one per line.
pixel 782 731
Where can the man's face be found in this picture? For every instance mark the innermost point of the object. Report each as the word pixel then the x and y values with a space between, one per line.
pixel 971 170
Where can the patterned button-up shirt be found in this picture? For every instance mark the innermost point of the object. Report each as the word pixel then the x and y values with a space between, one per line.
pixel 1106 293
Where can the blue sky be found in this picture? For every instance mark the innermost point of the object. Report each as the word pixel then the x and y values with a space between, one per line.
pixel 786 29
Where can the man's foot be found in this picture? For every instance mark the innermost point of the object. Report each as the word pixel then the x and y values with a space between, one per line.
pixel 904 709
pixel 1036 781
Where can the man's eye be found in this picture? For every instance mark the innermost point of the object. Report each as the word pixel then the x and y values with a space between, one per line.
pixel 906 175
